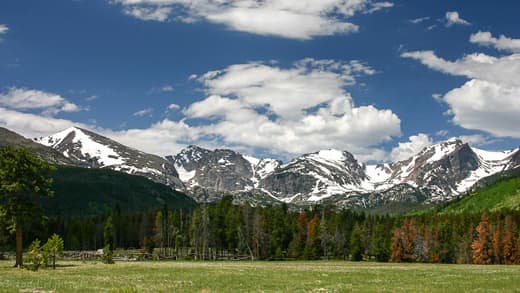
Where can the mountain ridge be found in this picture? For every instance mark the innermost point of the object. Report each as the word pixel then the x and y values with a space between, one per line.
pixel 436 174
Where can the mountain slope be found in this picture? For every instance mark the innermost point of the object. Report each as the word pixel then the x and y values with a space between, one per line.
pixel 93 150
pixel 88 191
pixel 503 195
pixel 9 138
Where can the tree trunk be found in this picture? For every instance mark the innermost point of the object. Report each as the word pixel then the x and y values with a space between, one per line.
pixel 19 248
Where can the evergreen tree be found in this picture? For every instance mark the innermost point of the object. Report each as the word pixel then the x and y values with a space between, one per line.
pixel 356 244
pixel 312 243
pixel 23 180
pixel 380 244
pixel 509 241
pixel 325 236
pixel 108 236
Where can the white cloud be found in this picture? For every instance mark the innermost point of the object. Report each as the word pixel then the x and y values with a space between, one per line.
pixel 502 43
pixel 488 106
pixel 419 20
pixel 3 29
pixel 167 88
pixel 143 112
pixel 296 19
pixel 475 139
pixel 453 18
pixel 31 125
pixel 437 97
pixel 162 138
pixel 405 150
pixel 27 99
pixel 295 110
pixel 442 133
pixel 378 6
pixel 489 100
pixel 165 137
pixel 174 107
pixel 157 13
pixel 91 98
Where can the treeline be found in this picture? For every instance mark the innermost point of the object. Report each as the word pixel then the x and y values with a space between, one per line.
pixel 227 231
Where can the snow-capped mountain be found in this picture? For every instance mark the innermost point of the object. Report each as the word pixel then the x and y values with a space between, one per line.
pixel 89 149
pixel 315 176
pixel 437 173
pixel 210 174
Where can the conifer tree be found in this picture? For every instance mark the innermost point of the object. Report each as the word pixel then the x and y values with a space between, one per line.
pixel 397 246
pixel 481 245
pixel 409 234
pixel 509 241
pixel 497 242
pixel 108 236
pixel 356 244
pixel 24 178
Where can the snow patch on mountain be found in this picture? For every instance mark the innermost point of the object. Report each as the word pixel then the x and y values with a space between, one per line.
pixel 494 155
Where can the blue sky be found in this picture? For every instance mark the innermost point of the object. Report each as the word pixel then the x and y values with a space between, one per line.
pixel 279 78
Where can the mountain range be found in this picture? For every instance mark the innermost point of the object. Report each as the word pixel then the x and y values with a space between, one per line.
pixel 437 174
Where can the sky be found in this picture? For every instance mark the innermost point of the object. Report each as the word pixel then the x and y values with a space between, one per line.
pixel 272 78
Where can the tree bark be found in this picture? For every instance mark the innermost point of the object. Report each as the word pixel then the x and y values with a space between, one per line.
pixel 19 248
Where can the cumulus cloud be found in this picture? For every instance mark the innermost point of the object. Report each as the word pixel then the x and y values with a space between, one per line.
pixel 143 112
pixel 489 100
pixel 165 137
pixel 405 150
pixel 480 104
pixel 295 110
pixel 501 43
pixel 27 99
pixel 301 19
pixel 453 18
pixel 31 125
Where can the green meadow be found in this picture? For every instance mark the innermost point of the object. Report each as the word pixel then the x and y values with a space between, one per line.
pixel 290 276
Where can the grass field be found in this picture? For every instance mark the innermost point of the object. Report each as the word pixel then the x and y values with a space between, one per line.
pixel 331 276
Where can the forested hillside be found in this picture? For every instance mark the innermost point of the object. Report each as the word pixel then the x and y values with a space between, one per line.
pixel 86 192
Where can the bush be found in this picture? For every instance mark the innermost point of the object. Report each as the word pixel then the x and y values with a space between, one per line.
pixel 52 249
pixel 34 258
